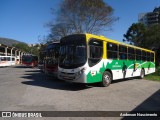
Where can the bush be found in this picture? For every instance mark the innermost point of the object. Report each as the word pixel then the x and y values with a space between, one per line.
pixel 158 69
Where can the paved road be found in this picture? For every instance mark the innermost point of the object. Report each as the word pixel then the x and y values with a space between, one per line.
pixel 29 89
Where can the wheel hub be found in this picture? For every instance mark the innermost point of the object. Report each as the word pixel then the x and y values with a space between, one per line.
pixel 106 79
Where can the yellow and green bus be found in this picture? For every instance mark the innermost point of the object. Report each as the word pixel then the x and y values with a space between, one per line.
pixel 88 58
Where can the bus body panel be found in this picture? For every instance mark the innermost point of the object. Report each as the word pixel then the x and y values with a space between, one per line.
pixel 41 63
pixel 117 69
pixel 29 60
pixel 95 73
pixel 51 70
pixel 7 61
pixel 51 59
pixel 73 75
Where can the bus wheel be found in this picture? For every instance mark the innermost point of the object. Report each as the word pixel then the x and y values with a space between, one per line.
pixel 107 78
pixel 142 74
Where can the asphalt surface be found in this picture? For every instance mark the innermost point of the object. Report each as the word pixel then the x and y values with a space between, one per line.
pixel 27 89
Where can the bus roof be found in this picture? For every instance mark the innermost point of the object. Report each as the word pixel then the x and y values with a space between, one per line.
pixel 54 42
pixel 52 45
pixel 114 41
pixel 29 55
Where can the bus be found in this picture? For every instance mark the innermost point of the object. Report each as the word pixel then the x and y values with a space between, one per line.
pixel 7 61
pixel 51 61
pixel 29 60
pixel 88 58
pixel 42 57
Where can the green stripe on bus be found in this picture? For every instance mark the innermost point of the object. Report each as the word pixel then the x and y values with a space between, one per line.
pixel 117 65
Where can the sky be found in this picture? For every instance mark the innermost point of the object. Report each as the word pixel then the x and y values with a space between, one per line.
pixel 25 20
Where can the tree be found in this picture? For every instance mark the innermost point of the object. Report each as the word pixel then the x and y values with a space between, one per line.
pixel 145 36
pixel 152 40
pixel 29 49
pixel 22 46
pixel 152 37
pixel 135 34
pixel 82 16
pixel 34 50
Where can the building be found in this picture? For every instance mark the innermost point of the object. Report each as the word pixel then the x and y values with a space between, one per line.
pixel 11 51
pixel 150 17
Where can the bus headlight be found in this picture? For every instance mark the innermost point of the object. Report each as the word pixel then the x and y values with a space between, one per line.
pixel 83 70
pixel 80 72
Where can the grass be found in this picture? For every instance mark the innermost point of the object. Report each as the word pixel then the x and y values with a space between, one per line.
pixel 153 76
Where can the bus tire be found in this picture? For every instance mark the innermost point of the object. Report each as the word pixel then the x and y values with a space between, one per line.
pixel 142 74
pixel 106 79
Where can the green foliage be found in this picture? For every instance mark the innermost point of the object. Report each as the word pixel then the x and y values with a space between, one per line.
pixel 34 50
pixel 145 36
pixel 42 47
pixel 154 77
pixel 152 40
pixel 158 57
pixel 135 34
pixel 41 51
pixel 22 46
pixel 81 16
pixel 152 36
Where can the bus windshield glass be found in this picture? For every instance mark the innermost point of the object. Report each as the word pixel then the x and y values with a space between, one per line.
pixel 27 58
pixel 73 51
pixel 52 54
pixel 53 51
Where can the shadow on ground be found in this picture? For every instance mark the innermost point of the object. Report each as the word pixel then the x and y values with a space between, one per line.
pixel 150 105
pixel 122 80
pixel 22 66
pixel 36 78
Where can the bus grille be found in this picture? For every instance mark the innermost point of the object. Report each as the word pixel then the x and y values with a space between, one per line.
pixel 67 76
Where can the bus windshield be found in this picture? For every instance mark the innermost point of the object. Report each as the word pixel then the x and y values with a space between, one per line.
pixel 27 59
pixel 73 51
pixel 53 51
pixel 52 54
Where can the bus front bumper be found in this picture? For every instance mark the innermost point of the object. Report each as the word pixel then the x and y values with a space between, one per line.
pixel 51 73
pixel 72 77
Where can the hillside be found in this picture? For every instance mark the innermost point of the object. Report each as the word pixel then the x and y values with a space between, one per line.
pixel 9 42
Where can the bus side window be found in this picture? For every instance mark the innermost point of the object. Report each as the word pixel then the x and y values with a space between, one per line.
pixel 96 51
pixel 148 56
pixel 112 51
pixel 8 58
pixel 13 59
pixel 131 53
pixel 138 55
pixel 144 56
pixel 56 54
pixel 122 52
pixel 152 57
pixel 4 59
